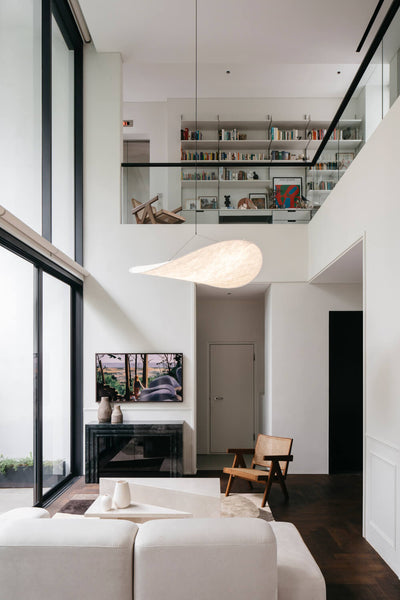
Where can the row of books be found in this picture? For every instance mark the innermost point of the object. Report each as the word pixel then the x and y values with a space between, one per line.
pixel 187 155
pixel 226 174
pixel 322 185
pixel 203 176
pixel 231 134
pixel 324 166
pixel 316 134
pixel 186 134
pixel 286 134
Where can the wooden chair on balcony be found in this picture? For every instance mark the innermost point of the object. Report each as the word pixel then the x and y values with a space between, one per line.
pixel 270 463
pixel 145 213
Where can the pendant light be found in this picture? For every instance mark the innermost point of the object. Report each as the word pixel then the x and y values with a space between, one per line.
pixel 229 264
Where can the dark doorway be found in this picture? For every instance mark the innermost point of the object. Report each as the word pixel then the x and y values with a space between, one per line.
pixel 345 391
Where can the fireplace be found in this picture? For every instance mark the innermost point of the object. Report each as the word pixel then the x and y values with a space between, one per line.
pixel 133 450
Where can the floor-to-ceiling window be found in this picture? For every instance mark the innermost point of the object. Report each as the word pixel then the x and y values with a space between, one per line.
pixel 41 303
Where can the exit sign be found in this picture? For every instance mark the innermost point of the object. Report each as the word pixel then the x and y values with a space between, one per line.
pixel 127 123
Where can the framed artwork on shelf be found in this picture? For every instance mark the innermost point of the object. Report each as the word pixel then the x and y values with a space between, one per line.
pixel 287 191
pixel 344 159
pixel 207 202
pixel 139 377
pixel 189 204
pixel 259 200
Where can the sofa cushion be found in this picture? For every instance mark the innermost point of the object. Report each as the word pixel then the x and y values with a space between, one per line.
pixel 66 559
pixel 299 577
pixel 205 559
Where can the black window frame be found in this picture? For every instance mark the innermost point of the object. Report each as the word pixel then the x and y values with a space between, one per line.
pixel 66 23
pixel 42 265
pixel 63 16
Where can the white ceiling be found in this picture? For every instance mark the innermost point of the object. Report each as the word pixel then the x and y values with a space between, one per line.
pixel 348 268
pixel 291 48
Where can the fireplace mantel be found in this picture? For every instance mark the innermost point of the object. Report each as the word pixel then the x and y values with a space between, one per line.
pixel 133 449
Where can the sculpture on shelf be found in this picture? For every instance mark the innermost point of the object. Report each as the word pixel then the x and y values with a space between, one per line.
pixel 227 202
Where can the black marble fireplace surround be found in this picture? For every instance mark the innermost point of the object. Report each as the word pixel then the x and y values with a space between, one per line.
pixel 133 450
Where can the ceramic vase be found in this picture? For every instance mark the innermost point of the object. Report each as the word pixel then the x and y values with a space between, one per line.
pixel 106 502
pixel 117 416
pixel 104 412
pixel 122 496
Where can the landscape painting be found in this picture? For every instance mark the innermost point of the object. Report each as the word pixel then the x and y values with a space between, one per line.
pixel 139 377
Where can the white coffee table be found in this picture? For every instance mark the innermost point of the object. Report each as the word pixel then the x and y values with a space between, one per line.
pixel 162 498
pixel 139 513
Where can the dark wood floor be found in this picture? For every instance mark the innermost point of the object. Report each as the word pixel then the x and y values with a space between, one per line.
pixel 326 509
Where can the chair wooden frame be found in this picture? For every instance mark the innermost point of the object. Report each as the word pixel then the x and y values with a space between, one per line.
pixel 271 453
pixel 144 213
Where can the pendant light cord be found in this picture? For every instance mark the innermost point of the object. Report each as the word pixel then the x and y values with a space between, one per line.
pixel 195 115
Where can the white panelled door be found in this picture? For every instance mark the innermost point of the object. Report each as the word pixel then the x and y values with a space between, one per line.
pixel 231 396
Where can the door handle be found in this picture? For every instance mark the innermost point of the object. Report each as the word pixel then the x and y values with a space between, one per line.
pixel 218 397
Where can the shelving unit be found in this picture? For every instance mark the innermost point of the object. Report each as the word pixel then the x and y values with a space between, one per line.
pixel 261 141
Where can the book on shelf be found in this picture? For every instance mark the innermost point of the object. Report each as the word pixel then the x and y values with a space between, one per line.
pixel 200 176
pixel 323 166
pixel 186 134
pixel 285 134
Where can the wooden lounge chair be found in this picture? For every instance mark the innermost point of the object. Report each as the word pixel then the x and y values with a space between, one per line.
pixel 272 454
pixel 144 213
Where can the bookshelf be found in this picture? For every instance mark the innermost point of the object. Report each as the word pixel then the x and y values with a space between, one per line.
pixel 206 142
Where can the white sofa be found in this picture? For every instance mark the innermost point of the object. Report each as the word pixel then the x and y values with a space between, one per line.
pixel 196 559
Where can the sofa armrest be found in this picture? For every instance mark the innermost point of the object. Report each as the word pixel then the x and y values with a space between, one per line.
pixel 26 512
pixel 299 577
pixel 203 559
pixel 66 559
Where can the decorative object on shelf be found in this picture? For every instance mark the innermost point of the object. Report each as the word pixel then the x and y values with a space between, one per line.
pixel 344 159
pixel 104 411
pixel 255 176
pixel 106 502
pixel 228 202
pixel 229 264
pixel 259 200
pixel 122 495
pixel 190 204
pixel 246 203
pixel 287 191
pixel 117 416
pixel 139 378
pixel 207 202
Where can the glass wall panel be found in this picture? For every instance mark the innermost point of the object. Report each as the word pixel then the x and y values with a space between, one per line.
pixel 56 380
pixel 16 373
pixel 20 110
pixel 62 143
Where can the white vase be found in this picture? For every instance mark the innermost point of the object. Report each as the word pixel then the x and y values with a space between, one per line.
pixel 122 496
pixel 104 411
pixel 116 416
pixel 106 502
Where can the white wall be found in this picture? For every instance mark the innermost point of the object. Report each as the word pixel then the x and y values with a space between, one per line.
pixel 126 313
pixel 297 374
pixel 226 321
pixel 365 201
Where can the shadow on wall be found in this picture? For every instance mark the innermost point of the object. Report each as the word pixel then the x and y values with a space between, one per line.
pixel 104 311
